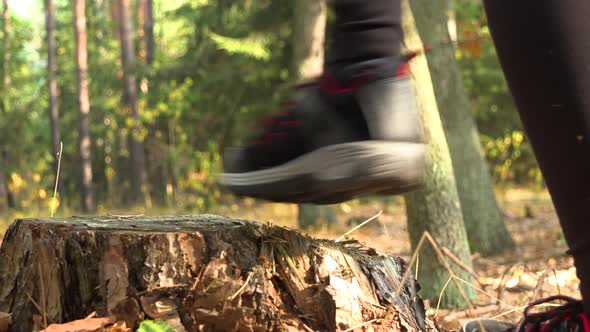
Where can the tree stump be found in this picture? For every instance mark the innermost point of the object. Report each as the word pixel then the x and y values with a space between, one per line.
pixel 200 273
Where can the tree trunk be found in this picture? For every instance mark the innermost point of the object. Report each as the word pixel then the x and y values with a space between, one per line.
pixel 486 231
pixel 313 216
pixel 3 187
pixel 140 19
pixel 451 22
pixel 53 92
pixel 84 142
pixel 308 62
pixel 4 95
pixel 6 79
pixel 308 38
pixel 155 150
pixel 200 273
pixel 10 196
pixel 435 207
pixel 148 29
pixel 139 175
pixel 115 18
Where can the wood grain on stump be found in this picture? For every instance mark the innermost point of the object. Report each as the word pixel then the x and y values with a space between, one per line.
pixel 199 273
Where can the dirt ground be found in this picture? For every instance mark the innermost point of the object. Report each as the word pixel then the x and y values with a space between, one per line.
pixel 538 267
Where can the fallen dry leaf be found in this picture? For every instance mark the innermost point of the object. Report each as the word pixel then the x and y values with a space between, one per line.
pixel 82 325
pixel 118 327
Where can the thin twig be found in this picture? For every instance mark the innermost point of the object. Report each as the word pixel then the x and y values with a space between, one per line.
pixel 199 277
pixel 307 328
pixel 162 289
pixel 361 325
pixel 482 291
pixel 61 147
pixel 38 309
pixel 412 261
pixel 441 295
pixel 509 312
pixel 378 306
pixel 479 312
pixel 441 258
pixel 460 263
pixel 417 265
pixel 359 226
pixel 446 265
pixel 385 230
pixel 556 282
pixel 538 291
pixel 427 236
pixel 239 291
pixel 522 308
pixel 500 288
pixel 34 303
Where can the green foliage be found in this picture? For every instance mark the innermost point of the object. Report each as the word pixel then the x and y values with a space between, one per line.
pixel 154 326
pixel 23 119
pixel 253 47
pixel 218 65
pixel 510 155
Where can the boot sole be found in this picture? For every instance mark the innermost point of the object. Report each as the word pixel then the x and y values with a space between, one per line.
pixel 336 173
pixel 487 325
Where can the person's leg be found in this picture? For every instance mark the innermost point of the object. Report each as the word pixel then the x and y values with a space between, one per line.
pixel 365 30
pixel 544 48
pixel 355 131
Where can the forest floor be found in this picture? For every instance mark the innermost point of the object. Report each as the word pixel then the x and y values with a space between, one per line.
pixel 538 267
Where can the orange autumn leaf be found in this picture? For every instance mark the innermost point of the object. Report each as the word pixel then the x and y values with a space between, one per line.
pixel 82 325
pixel 470 41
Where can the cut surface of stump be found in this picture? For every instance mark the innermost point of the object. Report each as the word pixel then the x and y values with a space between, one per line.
pixel 199 273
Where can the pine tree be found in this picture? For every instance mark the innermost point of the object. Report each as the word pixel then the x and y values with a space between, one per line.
pixel 139 174
pixel 84 141
pixel 486 231
pixel 435 207
pixel 53 108
pixel 308 61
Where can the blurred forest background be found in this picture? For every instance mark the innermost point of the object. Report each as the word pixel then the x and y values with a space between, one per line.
pixel 168 85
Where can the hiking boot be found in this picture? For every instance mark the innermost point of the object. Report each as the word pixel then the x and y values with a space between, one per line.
pixel 354 131
pixel 569 317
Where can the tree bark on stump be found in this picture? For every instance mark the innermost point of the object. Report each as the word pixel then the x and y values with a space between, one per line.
pixel 200 273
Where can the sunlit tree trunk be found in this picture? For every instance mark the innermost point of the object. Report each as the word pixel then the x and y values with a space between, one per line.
pixel 308 61
pixel 155 152
pixel 148 28
pixel 84 142
pixel 308 38
pixel 483 220
pixel 138 175
pixel 53 91
pixel 435 207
